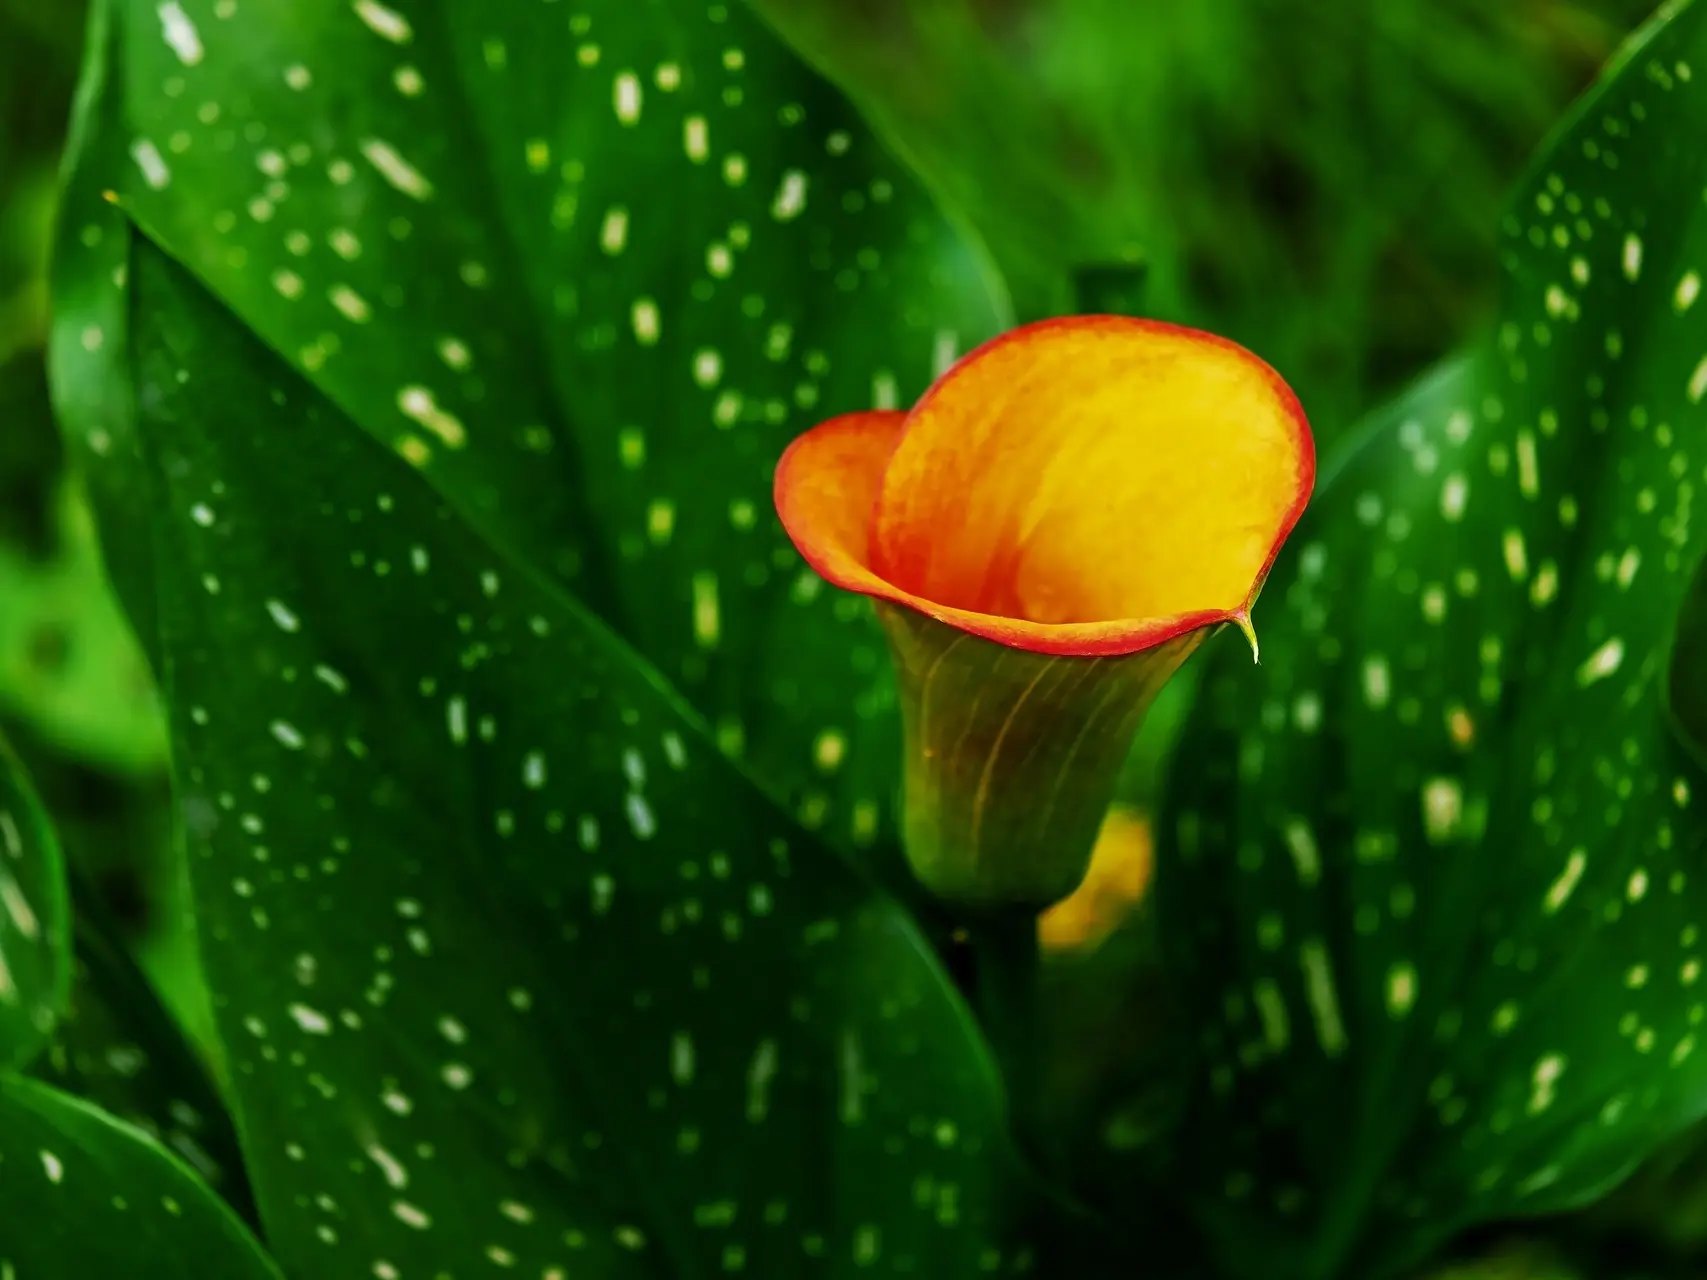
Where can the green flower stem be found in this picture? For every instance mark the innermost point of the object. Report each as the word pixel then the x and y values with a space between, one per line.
pixel 1007 969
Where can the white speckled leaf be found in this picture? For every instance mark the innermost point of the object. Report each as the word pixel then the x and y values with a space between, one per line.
pixel 83 1196
pixel 35 942
pixel 590 266
pixel 512 967
pixel 117 1047
pixel 1436 868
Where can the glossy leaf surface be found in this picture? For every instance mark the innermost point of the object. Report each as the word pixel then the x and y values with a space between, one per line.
pixel 590 269
pixel 511 966
pixel 1436 868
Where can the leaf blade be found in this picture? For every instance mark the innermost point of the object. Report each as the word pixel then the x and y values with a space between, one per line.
pixel 35 925
pixel 429 806
pixel 592 272
pixel 101 1199
pixel 118 1048
pixel 1457 847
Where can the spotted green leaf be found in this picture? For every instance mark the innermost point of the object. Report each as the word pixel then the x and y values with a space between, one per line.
pixel 84 1195
pixel 590 268
pixel 35 962
pixel 1687 672
pixel 510 965
pixel 1433 872
pixel 118 1048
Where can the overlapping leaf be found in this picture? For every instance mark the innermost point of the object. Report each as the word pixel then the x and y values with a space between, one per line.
pixel 87 1196
pixel 87 345
pixel 35 944
pixel 1437 871
pixel 68 664
pixel 513 969
pixel 589 267
pixel 118 1048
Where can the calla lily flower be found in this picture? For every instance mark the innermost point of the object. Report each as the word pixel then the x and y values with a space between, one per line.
pixel 1049 533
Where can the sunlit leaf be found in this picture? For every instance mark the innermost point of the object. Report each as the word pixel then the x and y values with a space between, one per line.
pixel 1435 869
pixel 83 1195
pixel 590 268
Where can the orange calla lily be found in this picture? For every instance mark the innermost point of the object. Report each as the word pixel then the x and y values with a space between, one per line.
pixel 1088 497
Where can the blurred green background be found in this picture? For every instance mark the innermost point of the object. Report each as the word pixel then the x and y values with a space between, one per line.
pixel 1321 182
pixel 75 695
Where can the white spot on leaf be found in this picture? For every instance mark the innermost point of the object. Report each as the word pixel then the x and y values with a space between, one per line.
pixel 180 33
pixel 1601 663
pixel 395 169
pixel 151 163
pixel 385 22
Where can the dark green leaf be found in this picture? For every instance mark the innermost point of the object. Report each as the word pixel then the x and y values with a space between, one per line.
pixel 87 343
pixel 83 1195
pixel 511 966
pixel 29 454
pixel 35 944
pixel 118 1048
pixel 38 66
pixel 590 268
pixel 1686 673
pixel 1434 870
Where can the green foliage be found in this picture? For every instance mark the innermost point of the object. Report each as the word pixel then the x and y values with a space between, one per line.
pixel 1318 181
pixel 432 809
pixel 99 1197
pixel 87 1196
pixel 35 925
pixel 69 666
pixel 29 450
pixel 1433 871
pixel 117 1047
pixel 590 272
pixel 1686 675
pixel 38 62
pixel 427 367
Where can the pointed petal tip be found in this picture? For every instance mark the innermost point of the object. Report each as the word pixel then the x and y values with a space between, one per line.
pixel 1242 620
